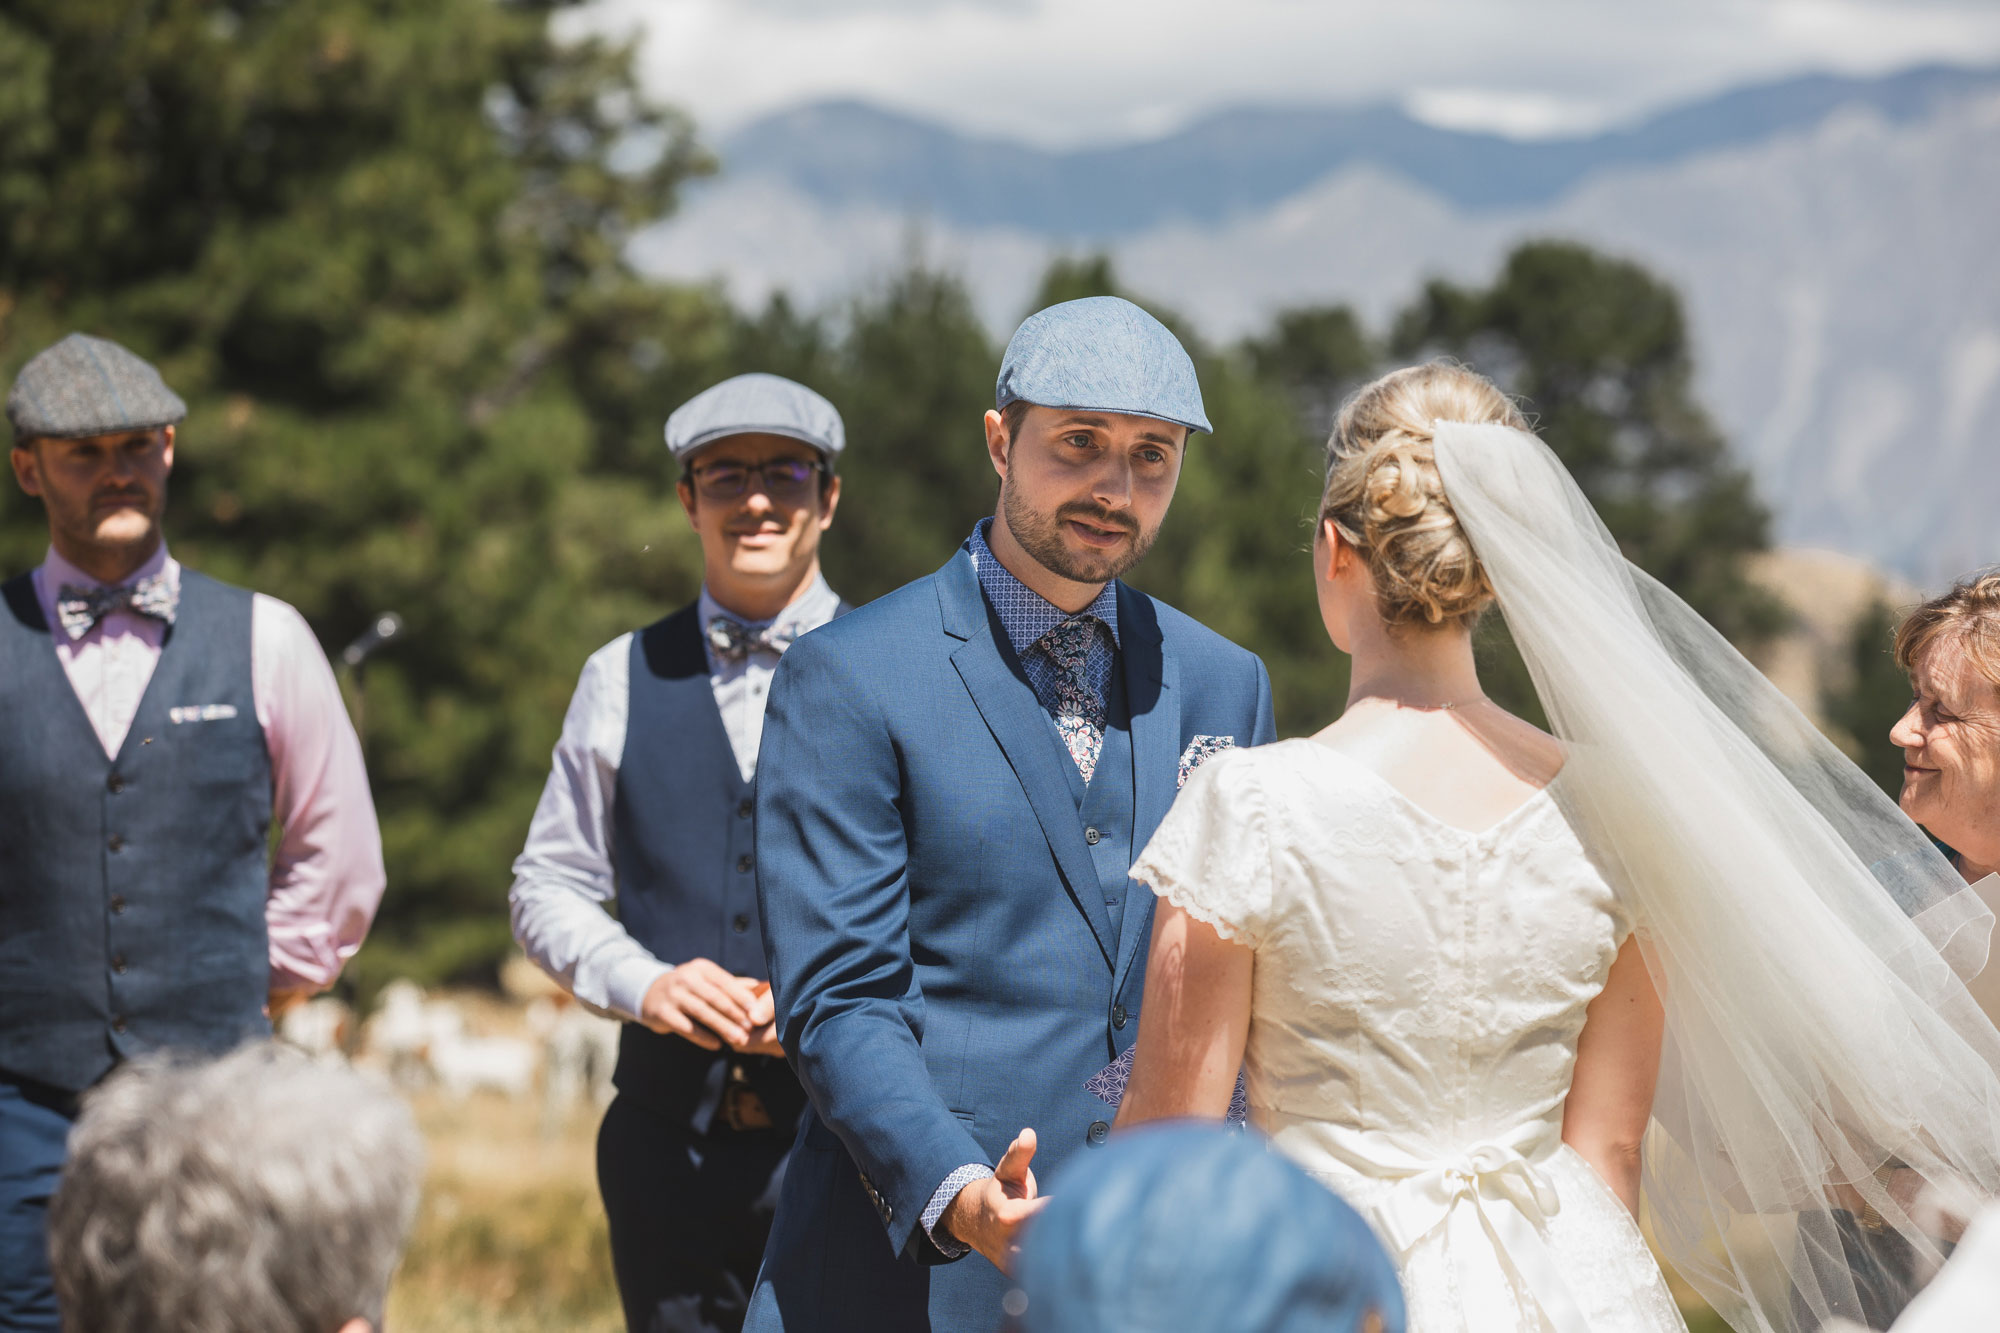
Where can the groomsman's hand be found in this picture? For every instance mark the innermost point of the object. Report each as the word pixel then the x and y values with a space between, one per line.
pixel 764 1024
pixel 703 1002
pixel 988 1214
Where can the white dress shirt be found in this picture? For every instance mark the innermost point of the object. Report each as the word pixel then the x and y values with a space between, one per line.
pixel 564 878
pixel 326 878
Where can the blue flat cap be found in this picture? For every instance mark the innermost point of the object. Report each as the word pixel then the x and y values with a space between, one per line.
pixel 1193 1228
pixel 89 386
pixel 1101 354
pixel 755 405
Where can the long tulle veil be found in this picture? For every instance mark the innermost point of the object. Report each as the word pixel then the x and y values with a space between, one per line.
pixel 1824 1062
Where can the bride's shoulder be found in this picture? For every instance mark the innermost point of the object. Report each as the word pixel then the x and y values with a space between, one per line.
pixel 1278 775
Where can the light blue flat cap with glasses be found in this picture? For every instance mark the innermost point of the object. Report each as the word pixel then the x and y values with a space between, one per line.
pixel 89 386
pixel 1101 354
pixel 755 404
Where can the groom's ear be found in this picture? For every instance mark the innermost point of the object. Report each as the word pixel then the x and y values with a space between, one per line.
pixel 999 439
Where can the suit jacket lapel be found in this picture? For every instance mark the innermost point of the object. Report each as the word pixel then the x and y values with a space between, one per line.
pixel 1021 726
pixel 1151 688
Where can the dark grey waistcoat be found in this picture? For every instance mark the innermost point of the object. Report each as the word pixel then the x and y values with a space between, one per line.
pixel 684 857
pixel 132 889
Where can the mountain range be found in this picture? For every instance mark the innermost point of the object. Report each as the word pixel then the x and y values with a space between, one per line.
pixel 1833 238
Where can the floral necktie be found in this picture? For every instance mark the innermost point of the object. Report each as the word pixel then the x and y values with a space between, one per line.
pixel 1079 712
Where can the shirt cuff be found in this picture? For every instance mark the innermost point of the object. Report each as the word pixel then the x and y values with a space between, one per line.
pixel 626 985
pixel 941 1200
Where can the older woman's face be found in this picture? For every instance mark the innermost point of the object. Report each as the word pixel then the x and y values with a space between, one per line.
pixel 1951 751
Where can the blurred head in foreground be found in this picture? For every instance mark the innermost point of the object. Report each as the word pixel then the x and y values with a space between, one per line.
pixel 261 1192
pixel 1192 1228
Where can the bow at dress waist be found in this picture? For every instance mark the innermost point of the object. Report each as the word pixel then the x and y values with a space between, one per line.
pixel 1493 1195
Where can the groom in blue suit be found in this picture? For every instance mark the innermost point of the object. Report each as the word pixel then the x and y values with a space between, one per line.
pixel 960 775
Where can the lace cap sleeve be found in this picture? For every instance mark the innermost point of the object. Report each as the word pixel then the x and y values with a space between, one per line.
pixel 1211 855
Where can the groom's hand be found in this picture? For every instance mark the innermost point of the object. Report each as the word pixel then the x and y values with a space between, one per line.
pixel 988 1214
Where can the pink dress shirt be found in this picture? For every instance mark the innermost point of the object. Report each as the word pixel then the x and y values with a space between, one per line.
pixel 326 878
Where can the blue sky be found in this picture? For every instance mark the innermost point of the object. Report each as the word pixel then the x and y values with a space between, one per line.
pixel 1087 71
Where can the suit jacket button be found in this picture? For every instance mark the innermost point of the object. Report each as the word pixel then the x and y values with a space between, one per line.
pixel 1099 1131
pixel 1118 1015
pixel 1092 836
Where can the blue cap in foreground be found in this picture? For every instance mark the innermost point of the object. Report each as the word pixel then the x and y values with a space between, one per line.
pixel 1193 1228
pixel 1101 354
pixel 756 404
pixel 89 386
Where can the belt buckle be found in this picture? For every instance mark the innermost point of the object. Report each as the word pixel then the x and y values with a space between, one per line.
pixel 742 1109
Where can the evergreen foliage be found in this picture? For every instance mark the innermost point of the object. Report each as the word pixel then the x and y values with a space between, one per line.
pixel 378 248
pixel 1862 707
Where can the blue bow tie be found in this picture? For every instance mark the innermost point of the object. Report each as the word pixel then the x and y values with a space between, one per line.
pixel 733 641
pixel 80 609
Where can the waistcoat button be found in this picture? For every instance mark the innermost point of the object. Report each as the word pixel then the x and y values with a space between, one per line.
pixel 118 964
pixel 743 863
pixel 740 924
pixel 117 844
pixel 118 1024
pixel 744 809
pixel 1092 836
pixel 1118 1015
pixel 116 783
pixel 117 906
pixel 1099 1131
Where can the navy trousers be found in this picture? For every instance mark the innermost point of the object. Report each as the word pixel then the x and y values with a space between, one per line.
pixel 688 1213
pixel 34 1131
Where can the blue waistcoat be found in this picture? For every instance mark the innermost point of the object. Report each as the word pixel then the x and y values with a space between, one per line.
pixel 1106 807
pixel 684 859
pixel 132 890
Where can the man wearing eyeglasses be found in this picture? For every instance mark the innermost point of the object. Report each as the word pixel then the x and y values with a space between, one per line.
pixel 649 805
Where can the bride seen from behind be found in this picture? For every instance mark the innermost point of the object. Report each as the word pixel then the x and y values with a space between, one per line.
pixel 1450 949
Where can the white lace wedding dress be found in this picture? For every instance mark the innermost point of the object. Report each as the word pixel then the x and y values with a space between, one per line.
pixel 1417 998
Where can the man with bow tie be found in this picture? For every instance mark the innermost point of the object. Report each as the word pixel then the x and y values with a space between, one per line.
pixel 158 725
pixel 649 804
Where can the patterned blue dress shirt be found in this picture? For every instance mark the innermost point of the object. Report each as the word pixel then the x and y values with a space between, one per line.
pixel 1026 617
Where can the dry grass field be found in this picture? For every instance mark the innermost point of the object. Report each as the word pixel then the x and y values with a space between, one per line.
pixel 510 1236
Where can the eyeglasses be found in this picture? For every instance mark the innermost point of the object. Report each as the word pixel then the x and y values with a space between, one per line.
pixel 782 478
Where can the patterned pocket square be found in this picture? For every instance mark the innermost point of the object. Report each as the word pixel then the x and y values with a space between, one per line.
pixel 216 713
pixel 1199 751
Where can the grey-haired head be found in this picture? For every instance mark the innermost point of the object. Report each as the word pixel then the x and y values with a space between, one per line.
pixel 1101 354
pixel 262 1192
pixel 89 386
pixel 756 404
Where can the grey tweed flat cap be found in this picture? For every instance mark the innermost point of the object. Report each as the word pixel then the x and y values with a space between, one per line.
pixel 755 404
pixel 89 386
pixel 1101 354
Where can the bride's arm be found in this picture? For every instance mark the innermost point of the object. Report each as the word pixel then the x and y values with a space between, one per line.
pixel 1192 1025
pixel 1617 1065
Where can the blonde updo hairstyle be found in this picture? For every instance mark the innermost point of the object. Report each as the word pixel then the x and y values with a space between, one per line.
pixel 1966 617
pixel 1385 498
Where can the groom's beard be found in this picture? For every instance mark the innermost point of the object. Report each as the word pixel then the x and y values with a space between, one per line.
pixel 1041 536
